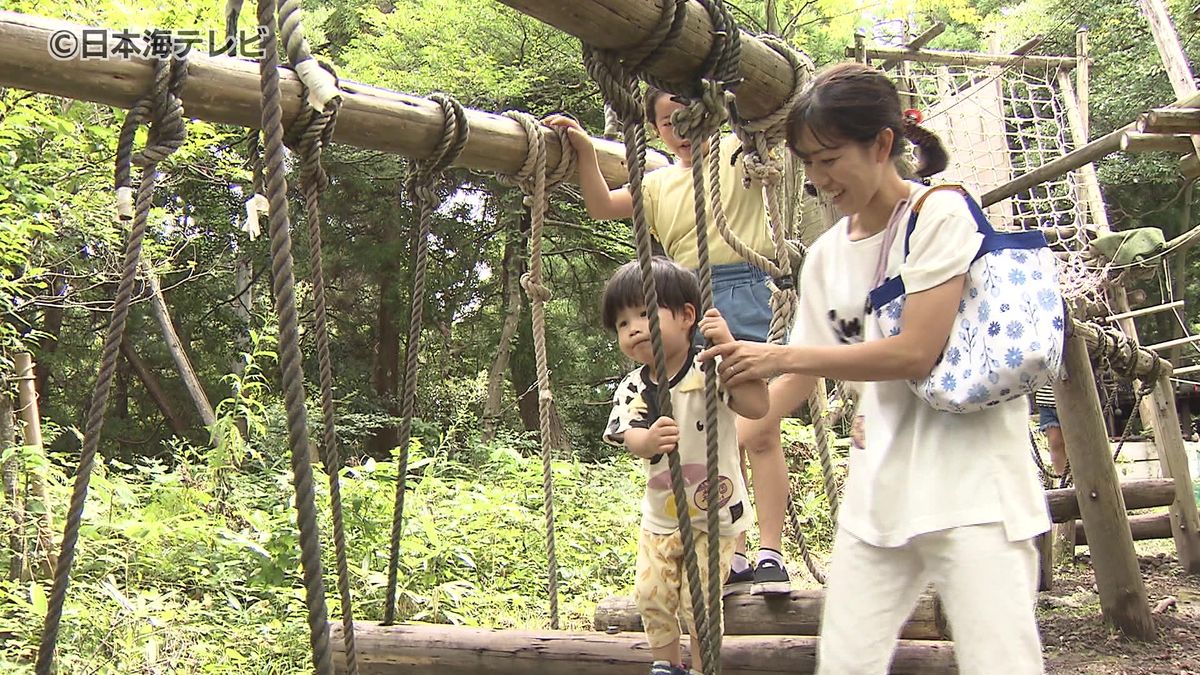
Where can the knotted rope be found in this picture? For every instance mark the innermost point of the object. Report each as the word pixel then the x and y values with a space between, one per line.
pixel 163 111
pixel 421 184
pixel 536 183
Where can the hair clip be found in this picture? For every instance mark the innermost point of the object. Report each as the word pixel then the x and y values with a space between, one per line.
pixel 913 116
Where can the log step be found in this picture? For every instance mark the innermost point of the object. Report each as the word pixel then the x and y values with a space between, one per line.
pixel 457 650
pixel 797 614
pixel 1142 526
pixel 1138 494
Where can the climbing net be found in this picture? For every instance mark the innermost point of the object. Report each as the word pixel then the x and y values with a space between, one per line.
pixel 999 123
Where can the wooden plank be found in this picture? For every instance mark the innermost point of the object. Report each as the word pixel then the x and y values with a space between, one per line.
pixel 1142 311
pixel 953 58
pixel 1134 141
pixel 458 650
pixel 623 24
pixel 226 91
pixel 1097 489
pixel 1083 79
pixel 797 614
pixel 1174 59
pixel 1137 494
pixel 1142 526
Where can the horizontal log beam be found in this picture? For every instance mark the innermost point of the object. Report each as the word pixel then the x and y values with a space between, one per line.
pixel 226 91
pixel 1142 311
pixel 797 614
pixel 1107 144
pixel 1133 141
pixel 1138 494
pixel 1145 358
pixel 1142 526
pixel 1170 121
pixel 457 650
pixel 625 24
pixel 967 58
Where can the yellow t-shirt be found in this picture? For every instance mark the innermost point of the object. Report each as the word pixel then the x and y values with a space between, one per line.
pixel 671 213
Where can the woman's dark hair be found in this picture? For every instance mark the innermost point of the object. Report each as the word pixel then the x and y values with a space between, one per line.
pixel 677 286
pixel 854 102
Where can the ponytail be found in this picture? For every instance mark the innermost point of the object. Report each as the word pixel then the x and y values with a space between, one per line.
pixel 932 153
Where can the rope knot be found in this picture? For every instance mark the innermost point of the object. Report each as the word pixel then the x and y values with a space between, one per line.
pixel 534 289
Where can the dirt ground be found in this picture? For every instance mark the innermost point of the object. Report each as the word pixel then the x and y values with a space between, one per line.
pixel 1076 641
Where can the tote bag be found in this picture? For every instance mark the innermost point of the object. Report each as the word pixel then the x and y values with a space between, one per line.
pixel 1007 338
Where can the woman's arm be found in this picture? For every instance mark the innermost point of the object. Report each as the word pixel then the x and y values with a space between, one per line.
pixel 602 203
pixel 925 326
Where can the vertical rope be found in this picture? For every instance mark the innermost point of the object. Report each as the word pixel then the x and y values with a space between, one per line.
pixel 283 285
pixel 163 109
pixel 420 184
pixel 536 184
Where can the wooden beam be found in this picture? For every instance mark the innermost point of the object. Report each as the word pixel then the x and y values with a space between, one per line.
pixel 1091 152
pixel 1098 492
pixel 226 91
pixel 1142 526
pixel 623 24
pixel 1188 370
pixel 1142 311
pixel 1031 44
pixel 967 58
pixel 1170 121
pixel 1138 494
pixel 1159 410
pixel 1089 184
pixel 46 555
pixel 1174 60
pixel 797 614
pixel 1134 141
pixel 458 650
pixel 1173 343
pixel 916 43
pixel 1083 79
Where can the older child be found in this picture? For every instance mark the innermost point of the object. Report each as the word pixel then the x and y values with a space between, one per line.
pixel 934 496
pixel 740 294
pixel 662 589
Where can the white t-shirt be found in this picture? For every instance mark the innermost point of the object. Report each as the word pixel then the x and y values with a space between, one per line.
pixel 922 470
pixel 635 404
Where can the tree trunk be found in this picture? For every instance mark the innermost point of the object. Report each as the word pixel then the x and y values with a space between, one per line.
pixel 511 298
pixel 10 473
pixel 52 322
pixel 385 376
pixel 152 386
pixel 120 404
pixel 158 305
pixel 43 557
pixel 243 281
pixel 521 364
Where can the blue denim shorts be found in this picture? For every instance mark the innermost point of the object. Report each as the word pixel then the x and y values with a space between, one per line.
pixel 741 295
pixel 1047 417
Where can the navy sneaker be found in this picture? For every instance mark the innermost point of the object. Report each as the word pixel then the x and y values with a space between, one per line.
pixel 738 582
pixel 770 578
pixel 667 669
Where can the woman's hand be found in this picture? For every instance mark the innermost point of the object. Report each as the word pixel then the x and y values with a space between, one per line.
pixel 743 361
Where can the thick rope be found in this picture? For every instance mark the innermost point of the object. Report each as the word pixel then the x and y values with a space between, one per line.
pixel 535 183
pixel 421 186
pixel 621 92
pixel 164 112
pixel 283 284
pixel 311 135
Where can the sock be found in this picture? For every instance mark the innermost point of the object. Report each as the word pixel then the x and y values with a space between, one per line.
pixel 665 664
pixel 740 563
pixel 769 554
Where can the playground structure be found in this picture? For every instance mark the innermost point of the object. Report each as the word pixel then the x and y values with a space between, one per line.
pixel 1060 195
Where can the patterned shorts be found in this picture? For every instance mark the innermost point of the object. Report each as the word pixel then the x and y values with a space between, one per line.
pixel 662 591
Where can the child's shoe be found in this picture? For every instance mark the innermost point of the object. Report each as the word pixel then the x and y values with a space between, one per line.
pixel 770 578
pixel 738 582
pixel 664 668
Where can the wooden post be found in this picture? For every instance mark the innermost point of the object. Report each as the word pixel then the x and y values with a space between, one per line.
pixel 1082 80
pixel 1089 184
pixel 1172 456
pixel 1169 121
pixel 1045 549
pixel 10 479
pixel 226 91
pixel 191 383
pixel 1097 488
pixel 31 425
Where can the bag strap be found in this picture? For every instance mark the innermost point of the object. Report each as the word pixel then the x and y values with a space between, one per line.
pixel 981 221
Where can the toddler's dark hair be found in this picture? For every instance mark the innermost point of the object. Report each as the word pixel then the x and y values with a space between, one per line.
pixel 677 286
pixel 854 102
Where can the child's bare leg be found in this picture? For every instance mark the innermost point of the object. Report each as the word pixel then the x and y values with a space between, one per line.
pixel 670 652
pixel 762 444
pixel 697 663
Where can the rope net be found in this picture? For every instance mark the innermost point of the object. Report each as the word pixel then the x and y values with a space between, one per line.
pixel 999 123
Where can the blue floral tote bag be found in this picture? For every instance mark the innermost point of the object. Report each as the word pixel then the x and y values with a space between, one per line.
pixel 1007 339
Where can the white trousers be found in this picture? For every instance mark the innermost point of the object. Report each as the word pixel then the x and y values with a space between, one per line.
pixel 987 585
